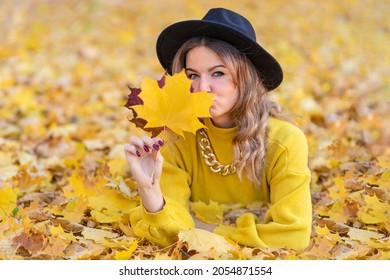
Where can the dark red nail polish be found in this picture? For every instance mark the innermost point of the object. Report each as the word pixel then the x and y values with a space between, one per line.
pixel 146 149
pixel 161 143
pixel 138 154
pixel 156 147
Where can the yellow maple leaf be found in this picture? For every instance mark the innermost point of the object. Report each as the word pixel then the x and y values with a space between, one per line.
pixel 74 210
pixel 202 240
pixel 105 216
pixel 211 213
pixel 97 235
pixel 337 213
pixel 339 191
pixel 121 243
pixel 374 211
pixel 8 198
pixel 126 254
pixel 111 200
pixel 173 106
pixel 84 186
pixel 58 231
pixel 325 232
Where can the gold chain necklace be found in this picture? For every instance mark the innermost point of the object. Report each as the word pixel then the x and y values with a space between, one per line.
pixel 211 159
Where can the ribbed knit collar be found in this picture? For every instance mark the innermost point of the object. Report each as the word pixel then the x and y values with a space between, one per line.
pixel 217 132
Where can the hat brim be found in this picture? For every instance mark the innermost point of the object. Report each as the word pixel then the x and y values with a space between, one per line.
pixel 175 35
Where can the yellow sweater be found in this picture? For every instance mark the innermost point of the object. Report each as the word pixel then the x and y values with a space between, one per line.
pixel 285 186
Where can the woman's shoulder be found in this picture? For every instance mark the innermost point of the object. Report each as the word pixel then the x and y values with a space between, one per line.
pixel 287 147
pixel 285 133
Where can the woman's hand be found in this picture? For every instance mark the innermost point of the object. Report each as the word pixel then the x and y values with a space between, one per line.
pixel 145 161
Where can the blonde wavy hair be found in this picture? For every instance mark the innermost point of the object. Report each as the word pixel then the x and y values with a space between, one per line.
pixel 252 111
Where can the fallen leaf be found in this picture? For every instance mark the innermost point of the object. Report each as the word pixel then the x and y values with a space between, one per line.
pixel 32 242
pixel 97 235
pixel 8 199
pixel 325 232
pixel 211 213
pixel 202 240
pixel 126 254
pixel 374 211
pixel 363 235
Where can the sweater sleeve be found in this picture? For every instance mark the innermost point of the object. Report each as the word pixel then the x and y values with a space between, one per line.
pixel 162 227
pixel 289 218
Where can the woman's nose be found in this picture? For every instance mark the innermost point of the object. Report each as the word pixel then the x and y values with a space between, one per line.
pixel 204 84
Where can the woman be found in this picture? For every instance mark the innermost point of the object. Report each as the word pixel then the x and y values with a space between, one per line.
pixel 247 154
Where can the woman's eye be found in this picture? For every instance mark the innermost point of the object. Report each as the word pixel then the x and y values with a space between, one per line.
pixel 191 76
pixel 218 74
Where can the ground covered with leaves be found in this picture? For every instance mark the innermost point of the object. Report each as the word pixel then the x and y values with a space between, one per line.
pixel 65 190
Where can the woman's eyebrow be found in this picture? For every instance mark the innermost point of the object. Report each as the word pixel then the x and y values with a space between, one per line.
pixel 216 66
pixel 210 69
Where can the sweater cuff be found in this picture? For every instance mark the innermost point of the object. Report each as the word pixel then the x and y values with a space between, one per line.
pixel 224 230
pixel 157 219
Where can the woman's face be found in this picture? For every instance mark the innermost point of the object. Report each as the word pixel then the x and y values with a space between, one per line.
pixel 209 73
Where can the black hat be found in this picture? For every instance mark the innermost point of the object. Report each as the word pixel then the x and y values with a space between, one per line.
pixel 227 26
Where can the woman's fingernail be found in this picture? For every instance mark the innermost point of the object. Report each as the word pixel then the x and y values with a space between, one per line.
pixel 161 143
pixel 146 149
pixel 156 147
pixel 138 154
